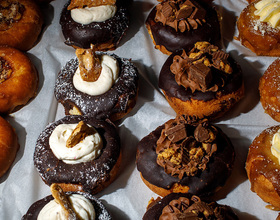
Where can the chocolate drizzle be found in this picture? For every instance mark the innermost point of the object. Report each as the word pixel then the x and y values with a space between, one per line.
pixel 178 206
pixel 194 70
pixel 10 13
pixel 180 15
pixel 218 168
pixel 185 150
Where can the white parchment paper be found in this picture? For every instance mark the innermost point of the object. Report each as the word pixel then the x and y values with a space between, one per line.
pixel 128 196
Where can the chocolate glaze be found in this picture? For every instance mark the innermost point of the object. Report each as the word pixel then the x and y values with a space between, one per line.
pixel 172 40
pixel 109 31
pixel 100 209
pixel 102 106
pixel 218 169
pixel 89 174
pixel 155 211
pixel 169 85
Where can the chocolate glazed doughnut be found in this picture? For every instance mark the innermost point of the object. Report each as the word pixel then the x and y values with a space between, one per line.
pixel 168 40
pixel 90 176
pixel 100 209
pixel 104 35
pixel 204 182
pixel 113 104
pixel 221 211
pixel 203 104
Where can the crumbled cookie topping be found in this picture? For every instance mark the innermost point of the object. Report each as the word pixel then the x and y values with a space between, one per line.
pixel 10 13
pixel 182 15
pixel 194 70
pixel 185 149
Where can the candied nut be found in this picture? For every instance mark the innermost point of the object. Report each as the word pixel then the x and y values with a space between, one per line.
pixel 62 199
pixel 5 70
pixel 81 131
pixel 89 3
pixel 89 64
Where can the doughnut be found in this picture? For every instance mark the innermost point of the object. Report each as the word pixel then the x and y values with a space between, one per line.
pixel 90 169
pixel 87 201
pixel 259 29
pixel 105 35
pixel 185 155
pixel 262 166
pixel 269 90
pixel 21 24
pixel 114 103
pixel 205 83
pixel 18 79
pixel 194 21
pixel 187 206
pixel 8 146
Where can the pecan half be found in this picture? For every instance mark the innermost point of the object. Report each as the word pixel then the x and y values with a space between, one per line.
pixel 89 64
pixel 79 133
pixel 5 70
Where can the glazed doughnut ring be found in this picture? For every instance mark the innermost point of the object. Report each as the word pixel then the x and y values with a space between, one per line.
pixel 8 146
pixel 18 79
pixel 21 23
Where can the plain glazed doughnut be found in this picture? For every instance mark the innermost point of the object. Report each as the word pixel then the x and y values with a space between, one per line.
pixel 256 31
pixel 18 79
pixel 8 146
pixel 22 30
pixel 269 90
pixel 263 166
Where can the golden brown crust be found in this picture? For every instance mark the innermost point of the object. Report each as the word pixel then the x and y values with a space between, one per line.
pixel 8 146
pixel 211 109
pixel 263 168
pixel 22 84
pixel 76 187
pixel 24 33
pixel 269 90
pixel 176 188
pixel 258 36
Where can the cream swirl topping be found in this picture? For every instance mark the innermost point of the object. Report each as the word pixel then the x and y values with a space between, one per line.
pixel 84 151
pixel 268 10
pixel 82 206
pixel 275 145
pixel 107 78
pixel 93 14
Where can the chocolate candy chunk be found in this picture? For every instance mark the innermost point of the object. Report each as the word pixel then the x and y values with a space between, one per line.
pixel 201 74
pixel 176 133
pixel 184 12
pixel 167 10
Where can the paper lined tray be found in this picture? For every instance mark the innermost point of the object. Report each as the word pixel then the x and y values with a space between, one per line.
pixel 127 197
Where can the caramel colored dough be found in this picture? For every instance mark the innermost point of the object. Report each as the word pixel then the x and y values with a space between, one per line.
pixel 263 168
pixel 24 33
pixel 260 37
pixel 22 85
pixel 269 90
pixel 8 146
